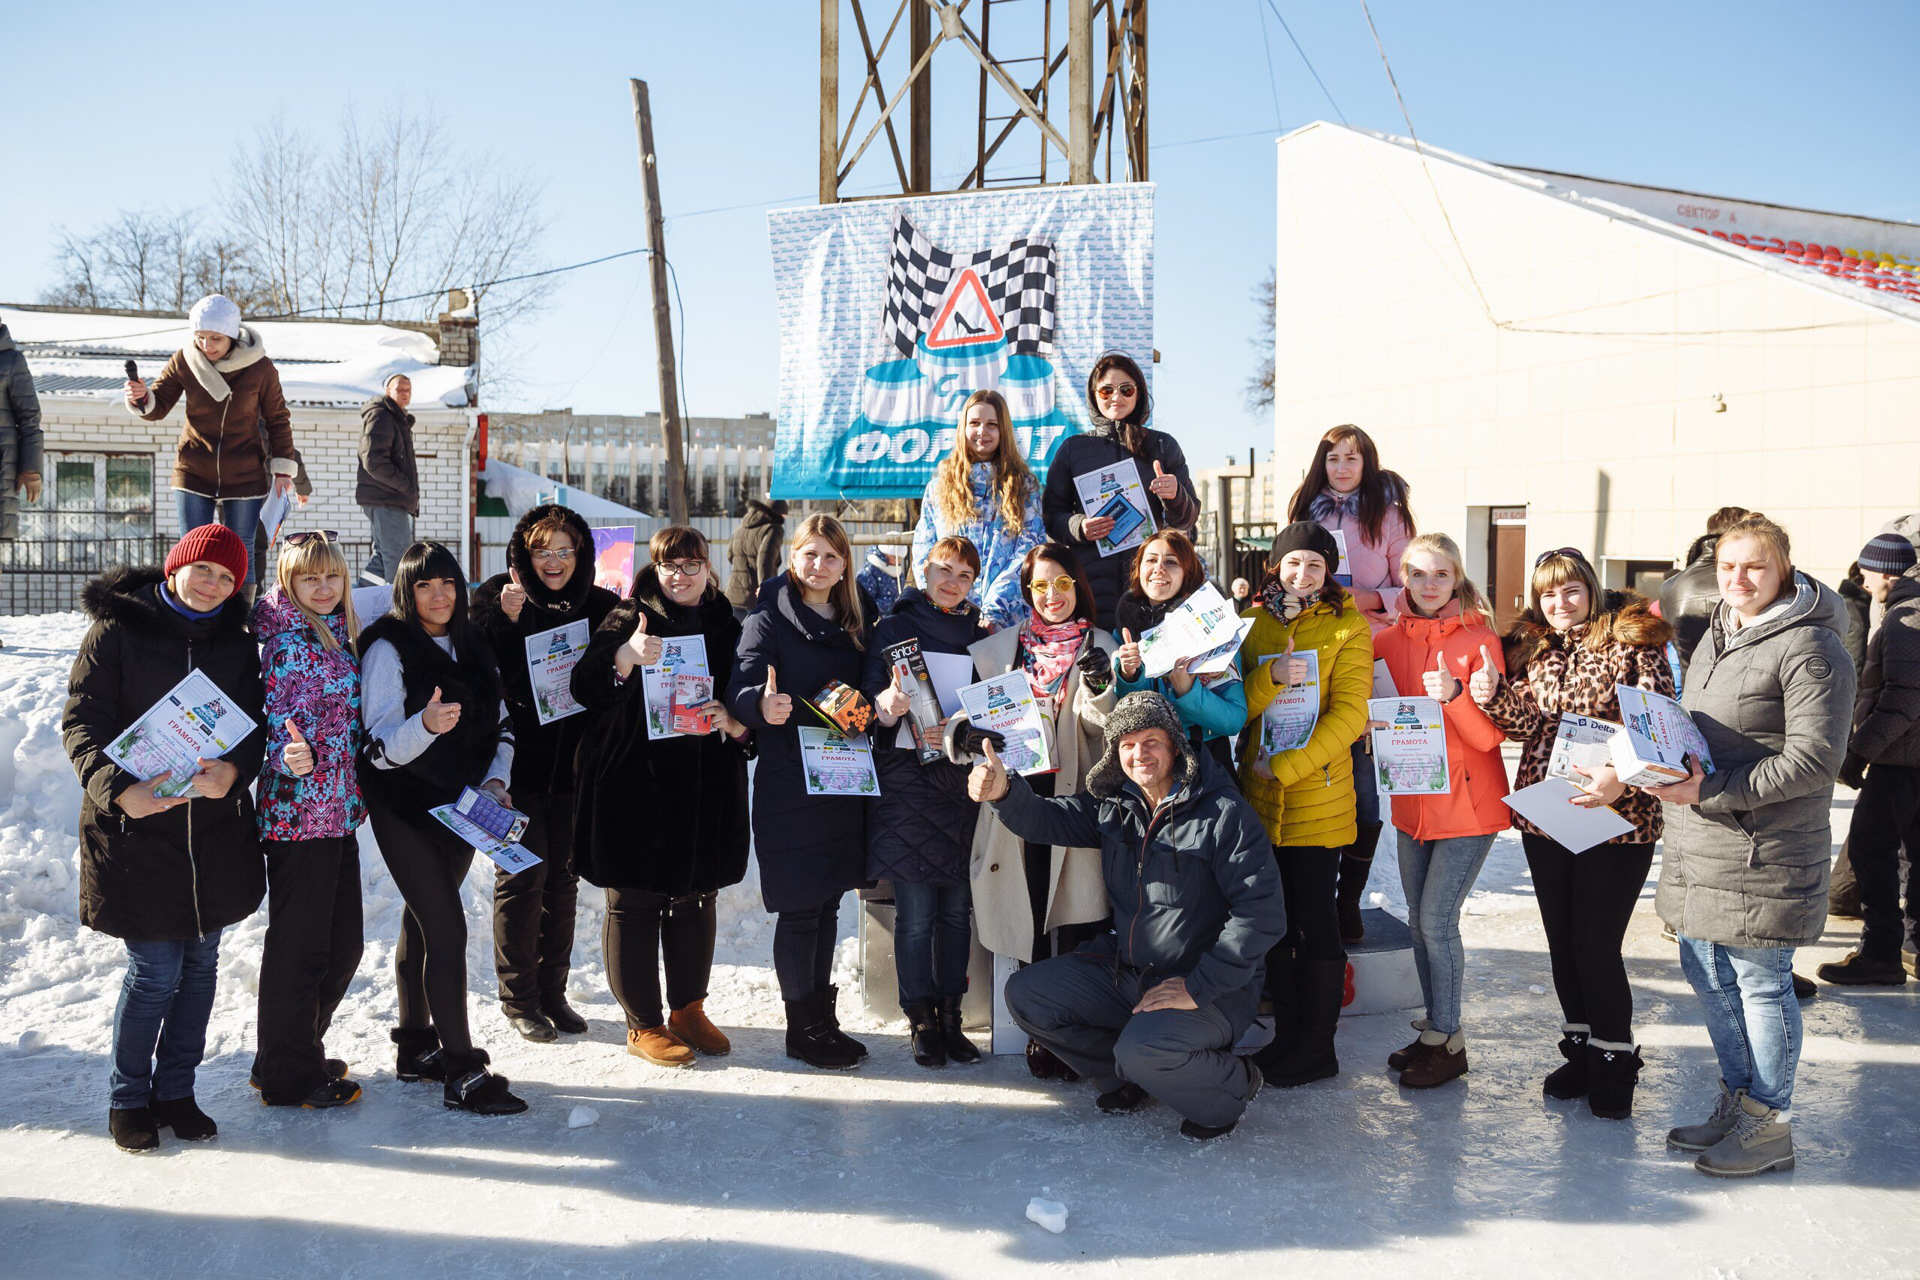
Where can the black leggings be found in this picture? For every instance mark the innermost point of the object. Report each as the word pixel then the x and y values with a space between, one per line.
pixel 1586 901
pixel 533 911
pixel 643 928
pixel 1308 876
pixel 312 947
pixel 428 864
pixel 803 949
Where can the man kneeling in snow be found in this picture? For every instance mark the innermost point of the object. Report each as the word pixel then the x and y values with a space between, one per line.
pixel 1155 1007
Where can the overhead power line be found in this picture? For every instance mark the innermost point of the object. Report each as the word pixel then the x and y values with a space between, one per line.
pixel 1309 61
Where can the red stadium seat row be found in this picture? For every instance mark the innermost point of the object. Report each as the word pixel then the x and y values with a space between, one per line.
pixel 1868 268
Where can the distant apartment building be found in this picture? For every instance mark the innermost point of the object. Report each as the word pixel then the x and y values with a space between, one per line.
pixel 622 457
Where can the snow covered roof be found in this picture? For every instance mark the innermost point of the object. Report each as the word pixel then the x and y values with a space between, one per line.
pixel 330 363
pixel 522 490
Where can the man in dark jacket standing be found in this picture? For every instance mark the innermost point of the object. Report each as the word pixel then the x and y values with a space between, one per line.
pixel 1689 597
pixel 388 484
pixel 1883 761
pixel 19 435
pixel 1155 1007
pixel 756 553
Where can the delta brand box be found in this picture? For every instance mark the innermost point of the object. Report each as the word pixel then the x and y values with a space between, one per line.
pixel 1654 739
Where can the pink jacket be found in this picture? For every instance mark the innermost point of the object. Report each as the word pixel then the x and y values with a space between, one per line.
pixel 1375 566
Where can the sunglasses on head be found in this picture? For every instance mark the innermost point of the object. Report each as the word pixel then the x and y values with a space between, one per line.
pixel 325 535
pixel 1571 553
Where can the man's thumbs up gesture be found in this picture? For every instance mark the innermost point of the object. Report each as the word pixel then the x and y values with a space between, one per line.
pixel 988 781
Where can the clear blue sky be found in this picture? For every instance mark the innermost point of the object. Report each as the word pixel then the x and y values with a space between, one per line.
pixel 1810 104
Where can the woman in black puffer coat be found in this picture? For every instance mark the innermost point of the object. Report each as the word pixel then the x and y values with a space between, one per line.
pixel 920 830
pixel 662 875
pixel 548 584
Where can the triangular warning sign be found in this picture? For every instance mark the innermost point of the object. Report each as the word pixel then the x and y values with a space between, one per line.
pixel 966 317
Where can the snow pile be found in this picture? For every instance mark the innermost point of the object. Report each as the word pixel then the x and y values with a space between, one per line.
pixel 1050 1214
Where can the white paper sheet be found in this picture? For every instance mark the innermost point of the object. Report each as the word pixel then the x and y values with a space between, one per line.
pixel 194 720
pixel 677 654
pixel 1288 721
pixel 1006 705
pixel 836 765
pixel 1410 754
pixel 1097 490
pixel 551 657
pixel 1203 623
pixel 1546 805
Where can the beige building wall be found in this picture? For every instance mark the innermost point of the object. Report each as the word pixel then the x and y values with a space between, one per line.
pixel 1589 385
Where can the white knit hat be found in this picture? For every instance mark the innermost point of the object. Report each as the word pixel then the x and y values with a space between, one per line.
pixel 215 313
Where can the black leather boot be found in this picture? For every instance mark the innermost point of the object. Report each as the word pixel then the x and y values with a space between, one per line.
pixel 417 1055
pixel 811 1038
pixel 830 1007
pixel 133 1129
pixel 184 1116
pixel 471 1087
pixel 1322 985
pixel 959 1048
pixel 929 1047
pixel 1283 990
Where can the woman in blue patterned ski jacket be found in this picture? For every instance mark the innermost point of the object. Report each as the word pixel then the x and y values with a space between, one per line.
pixel 983 491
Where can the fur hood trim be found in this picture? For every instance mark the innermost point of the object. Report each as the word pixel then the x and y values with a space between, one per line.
pixel 125 596
pixel 1624 617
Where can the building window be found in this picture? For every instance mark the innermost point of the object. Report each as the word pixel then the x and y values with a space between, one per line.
pixel 93 496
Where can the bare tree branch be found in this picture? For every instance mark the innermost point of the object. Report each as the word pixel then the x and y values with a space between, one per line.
pixel 1260 385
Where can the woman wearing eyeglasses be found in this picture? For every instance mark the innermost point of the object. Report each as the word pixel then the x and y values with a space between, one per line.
pixel 548 584
pixel 660 817
pixel 1118 401
pixel 1567 653
pixel 1032 901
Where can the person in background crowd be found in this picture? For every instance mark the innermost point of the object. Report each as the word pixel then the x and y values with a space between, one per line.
pixel 1212 708
pixel 1430 650
pixel 1346 490
pixel 436 724
pixel 309 807
pixel 1305 797
pixel 1744 867
pixel 1154 1008
pixel 662 875
pixel 1858 602
pixel 165 873
pixel 548 584
pixel 387 480
pixel 1034 899
pixel 1883 763
pixel 920 830
pixel 1843 888
pixel 1690 597
pixel 811 628
pixel 20 440
pixel 983 491
pixel 1118 402
pixel 880 577
pixel 1242 593
pixel 223 467
pixel 755 554
pixel 1568 653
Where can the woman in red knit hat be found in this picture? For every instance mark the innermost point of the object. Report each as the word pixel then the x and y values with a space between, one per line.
pixel 163 872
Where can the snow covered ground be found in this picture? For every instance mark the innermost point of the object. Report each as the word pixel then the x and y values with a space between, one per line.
pixel 755 1165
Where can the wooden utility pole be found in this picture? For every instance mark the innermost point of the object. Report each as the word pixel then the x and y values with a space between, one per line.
pixel 670 426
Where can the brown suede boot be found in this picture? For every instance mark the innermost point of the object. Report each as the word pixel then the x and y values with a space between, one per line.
pixel 659 1046
pixel 1438 1059
pixel 692 1026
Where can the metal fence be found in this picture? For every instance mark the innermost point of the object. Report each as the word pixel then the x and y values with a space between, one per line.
pixel 47 576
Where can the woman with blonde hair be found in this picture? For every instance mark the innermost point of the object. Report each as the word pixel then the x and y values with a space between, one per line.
pixel 309 807
pixel 809 629
pixel 1569 652
pixel 1430 649
pixel 983 491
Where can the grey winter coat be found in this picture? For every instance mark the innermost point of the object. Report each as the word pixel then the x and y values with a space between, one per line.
pixel 19 430
pixel 1747 866
pixel 1886 710
pixel 1194 887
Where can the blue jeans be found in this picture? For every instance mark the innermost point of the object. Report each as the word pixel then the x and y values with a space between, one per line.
pixel 1752 1015
pixel 932 940
pixel 160 1024
pixel 1437 876
pixel 242 515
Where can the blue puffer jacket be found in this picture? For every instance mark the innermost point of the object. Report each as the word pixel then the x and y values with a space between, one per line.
pixel 1002 549
pixel 319 688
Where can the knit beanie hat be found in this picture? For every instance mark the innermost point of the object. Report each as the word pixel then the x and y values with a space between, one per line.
pixel 215 313
pixel 1143 710
pixel 213 543
pixel 1888 553
pixel 1305 535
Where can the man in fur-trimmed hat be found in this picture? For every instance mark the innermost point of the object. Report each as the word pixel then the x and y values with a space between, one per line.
pixel 1154 1008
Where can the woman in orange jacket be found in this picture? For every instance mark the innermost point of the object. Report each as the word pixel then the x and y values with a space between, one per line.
pixel 1439 638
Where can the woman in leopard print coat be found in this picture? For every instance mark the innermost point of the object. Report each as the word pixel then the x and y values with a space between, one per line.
pixel 1571 648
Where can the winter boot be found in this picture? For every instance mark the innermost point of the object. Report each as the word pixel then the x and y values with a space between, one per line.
pixel 1860 970
pixel 1570 1081
pixel 692 1026
pixel 810 1036
pixel 562 1016
pixel 418 1055
pixel 182 1115
pixel 1760 1140
pixel 959 1048
pixel 471 1087
pixel 1356 864
pixel 1700 1137
pixel 1128 1097
pixel 1439 1058
pixel 335 1068
pixel 533 1026
pixel 1612 1071
pixel 1804 988
pixel 334 1093
pixel 929 1047
pixel 1283 991
pixel 1399 1058
pixel 1205 1132
pixel 1042 1064
pixel 1323 983
pixel 659 1046
pixel 830 1007
pixel 133 1129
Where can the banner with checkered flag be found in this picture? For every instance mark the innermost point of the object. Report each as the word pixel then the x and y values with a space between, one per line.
pixel 1021 281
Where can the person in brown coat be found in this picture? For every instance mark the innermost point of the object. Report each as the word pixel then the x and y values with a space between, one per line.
pixel 224 464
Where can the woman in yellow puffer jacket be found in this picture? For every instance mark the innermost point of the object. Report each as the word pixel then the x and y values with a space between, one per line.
pixel 1305 796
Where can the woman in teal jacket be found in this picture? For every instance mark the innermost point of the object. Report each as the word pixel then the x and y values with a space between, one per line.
pixel 1213 708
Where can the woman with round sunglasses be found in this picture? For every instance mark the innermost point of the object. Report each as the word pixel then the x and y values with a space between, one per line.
pixel 1119 404
pixel 548 584
pixel 663 873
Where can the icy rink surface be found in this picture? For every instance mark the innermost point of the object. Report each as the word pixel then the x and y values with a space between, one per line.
pixel 754 1165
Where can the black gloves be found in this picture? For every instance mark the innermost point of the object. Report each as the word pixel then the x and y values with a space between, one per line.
pixel 1853 771
pixel 1096 670
pixel 963 742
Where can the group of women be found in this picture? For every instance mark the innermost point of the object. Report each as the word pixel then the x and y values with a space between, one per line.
pixel 399 717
